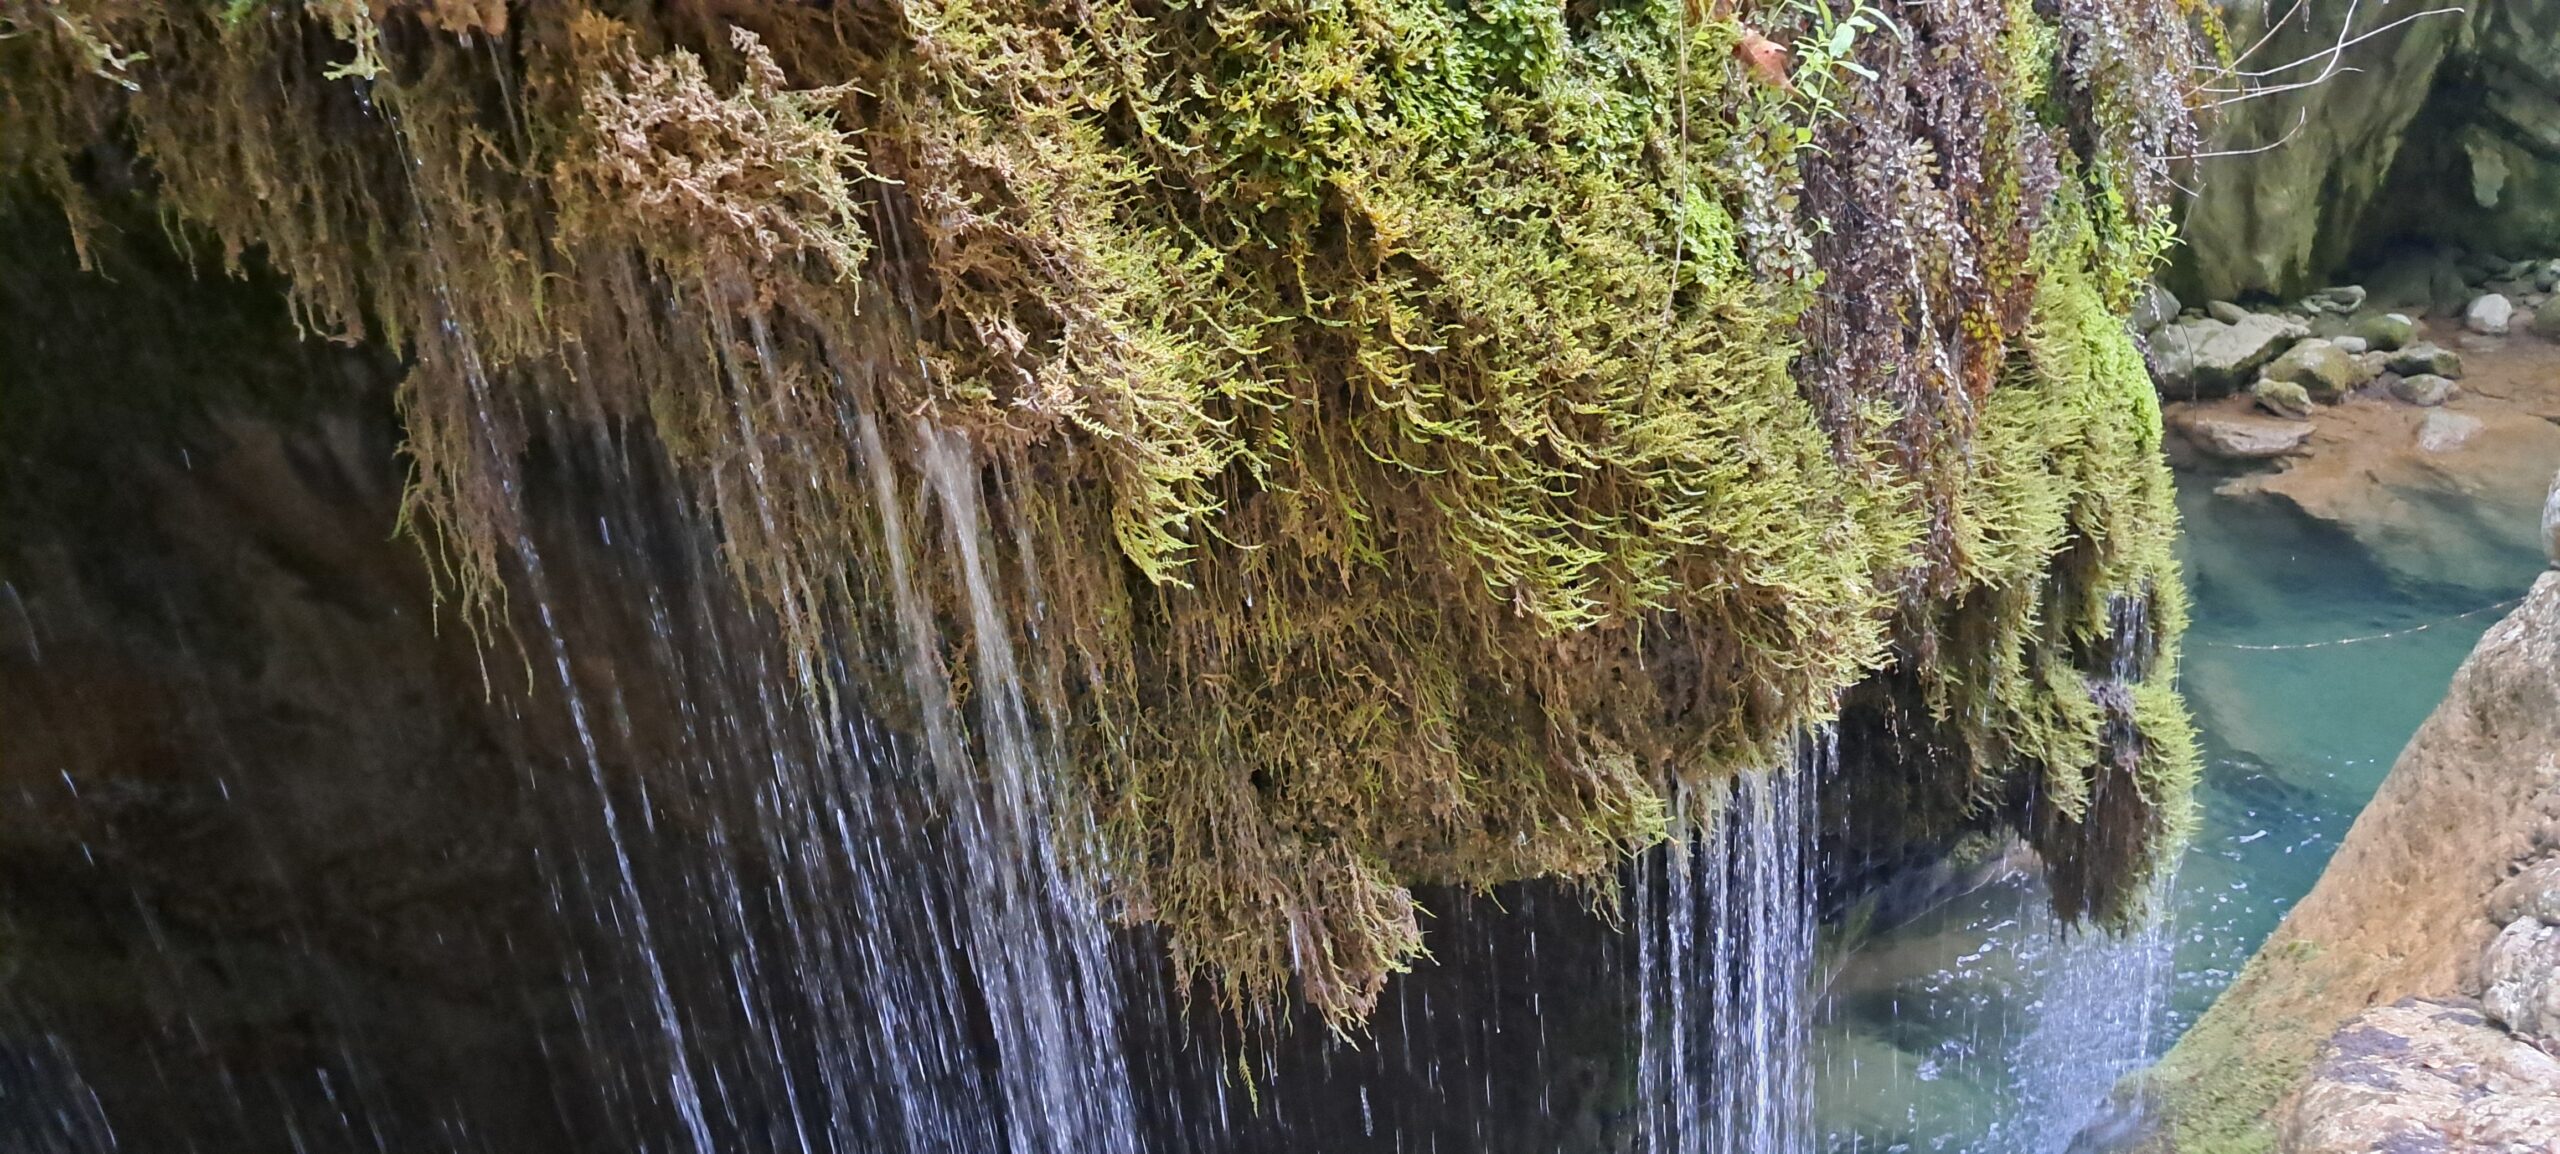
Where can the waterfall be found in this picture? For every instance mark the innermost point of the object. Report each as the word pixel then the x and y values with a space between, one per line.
pixel 2095 997
pixel 1724 925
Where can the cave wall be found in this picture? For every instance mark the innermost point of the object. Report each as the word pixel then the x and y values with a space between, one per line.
pixel 2444 129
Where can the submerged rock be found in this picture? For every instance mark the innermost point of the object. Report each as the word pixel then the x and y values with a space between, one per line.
pixel 2233 437
pixel 2212 358
pixel 2430 1076
pixel 2426 390
pixel 2443 432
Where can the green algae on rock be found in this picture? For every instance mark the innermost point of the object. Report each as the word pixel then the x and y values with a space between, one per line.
pixel 1444 428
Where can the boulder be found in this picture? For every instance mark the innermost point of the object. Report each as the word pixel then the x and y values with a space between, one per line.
pixel 2443 431
pixel 2328 371
pixel 2345 298
pixel 2425 1075
pixel 2235 437
pixel 2532 893
pixel 2551 523
pixel 2387 331
pixel 2398 913
pixel 2520 982
pixel 2211 358
pixel 2353 346
pixel 2282 398
pixel 2546 277
pixel 2426 357
pixel 2489 315
pixel 2157 307
pixel 2425 390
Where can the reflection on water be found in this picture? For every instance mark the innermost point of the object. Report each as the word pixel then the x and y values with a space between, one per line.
pixel 1982 1028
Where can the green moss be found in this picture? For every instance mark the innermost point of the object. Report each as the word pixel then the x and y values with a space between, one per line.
pixel 1472 376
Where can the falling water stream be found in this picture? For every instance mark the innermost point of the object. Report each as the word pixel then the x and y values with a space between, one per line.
pixel 302 869
pixel 1724 924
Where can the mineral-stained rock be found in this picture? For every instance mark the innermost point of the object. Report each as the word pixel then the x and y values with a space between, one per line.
pixel 2520 982
pixel 2209 358
pixel 2329 372
pixel 2242 438
pixel 2427 357
pixel 2489 315
pixel 2443 432
pixel 2387 331
pixel 2282 398
pixel 2426 390
pixel 2426 1077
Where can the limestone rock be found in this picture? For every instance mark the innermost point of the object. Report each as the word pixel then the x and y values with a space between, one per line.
pixel 2533 893
pixel 2551 522
pixel 2226 312
pixel 2520 981
pixel 2427 357
pixel 2398 912
pixel 2352 345
pixel 2489 315
pixel 2157 307
pixel 2243 438
pixel 2211 358
pixel 2387 331
pixel 2425 390
pixel 2328 371
pixel 2426 1075
pixel 2282 398
pixel 2443 432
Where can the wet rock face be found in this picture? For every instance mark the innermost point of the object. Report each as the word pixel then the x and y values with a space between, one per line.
pixel 2426 1077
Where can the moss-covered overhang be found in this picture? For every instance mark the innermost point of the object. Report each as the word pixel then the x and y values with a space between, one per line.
pixel 1558 403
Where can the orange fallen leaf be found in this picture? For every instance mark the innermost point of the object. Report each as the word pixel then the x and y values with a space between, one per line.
pixel 1767 58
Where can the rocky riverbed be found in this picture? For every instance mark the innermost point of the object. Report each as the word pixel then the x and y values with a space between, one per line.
pixel 2400 419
